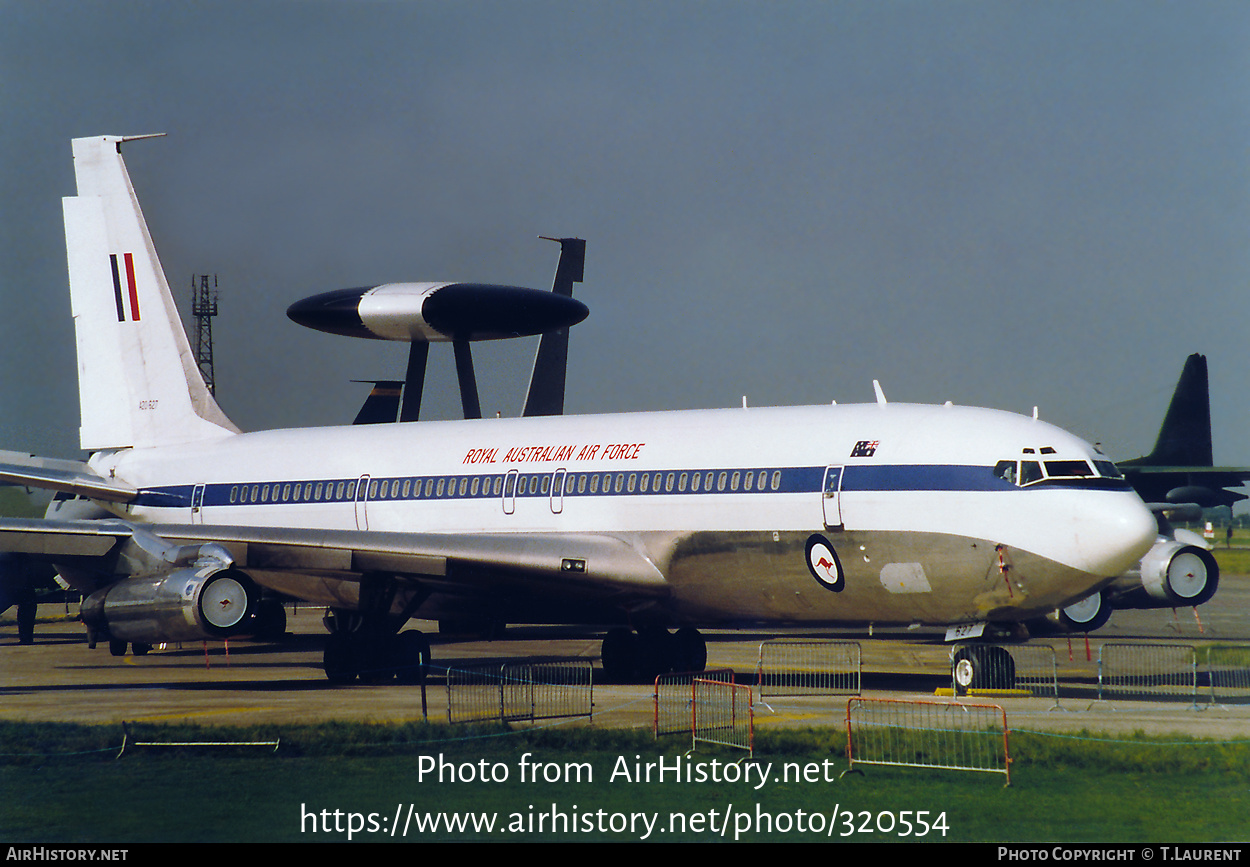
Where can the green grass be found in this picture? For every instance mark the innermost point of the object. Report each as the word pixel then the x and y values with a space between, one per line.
pixel 1232 561
pixel 63 784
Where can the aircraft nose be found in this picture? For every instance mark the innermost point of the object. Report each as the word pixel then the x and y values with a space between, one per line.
pixel 1113 537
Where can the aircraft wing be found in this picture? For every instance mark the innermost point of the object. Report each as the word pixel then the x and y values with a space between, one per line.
pixel 1204 485
pixel 74 477
pixel 308 564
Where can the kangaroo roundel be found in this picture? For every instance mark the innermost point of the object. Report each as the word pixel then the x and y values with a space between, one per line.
pixel 824 564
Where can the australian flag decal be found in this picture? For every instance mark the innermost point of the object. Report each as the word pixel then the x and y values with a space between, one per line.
pixel 865 448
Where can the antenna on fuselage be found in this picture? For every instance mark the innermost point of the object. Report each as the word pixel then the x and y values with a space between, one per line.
pixel 876 387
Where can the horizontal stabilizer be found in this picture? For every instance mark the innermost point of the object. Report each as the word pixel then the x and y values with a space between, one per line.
pixel 71 477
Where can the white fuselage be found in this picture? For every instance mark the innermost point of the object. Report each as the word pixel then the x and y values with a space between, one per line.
pixel 724 502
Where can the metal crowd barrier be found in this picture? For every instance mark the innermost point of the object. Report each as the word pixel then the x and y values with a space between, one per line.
pixel 789 666
pixel 722 713
pixel 674 700
pixel 516 691
pixel 928 734
pixel 984 668
pixel 1227 668
pixel 1149 671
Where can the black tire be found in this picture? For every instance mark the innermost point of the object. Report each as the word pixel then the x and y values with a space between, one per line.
pixel 690 650
pixel 982 668
pixel 270 621
pixel 411 654
pixel 1086 615
pixel 619 654
pixel 117 647
pixel 655 654
pixel 375 658
pixel 339 660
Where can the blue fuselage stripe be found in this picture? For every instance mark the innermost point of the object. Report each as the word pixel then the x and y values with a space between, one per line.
pixel 604 483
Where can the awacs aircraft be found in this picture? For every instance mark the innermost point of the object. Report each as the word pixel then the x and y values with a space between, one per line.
pixel 841 514
pixel 1177 478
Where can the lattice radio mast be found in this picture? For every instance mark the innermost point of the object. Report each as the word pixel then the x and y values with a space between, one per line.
pixel 204 308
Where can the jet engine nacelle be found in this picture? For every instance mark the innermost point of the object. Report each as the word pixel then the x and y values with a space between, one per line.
pixel 1178 571
pixel 1175 572
pixel 190 604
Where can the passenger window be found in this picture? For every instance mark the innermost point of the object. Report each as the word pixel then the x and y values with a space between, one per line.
pixel 776 480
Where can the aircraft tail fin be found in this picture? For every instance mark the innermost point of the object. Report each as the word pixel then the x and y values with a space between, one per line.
pixel 138 383
pixel 1185 436
pixel 546 390
pixel 382 404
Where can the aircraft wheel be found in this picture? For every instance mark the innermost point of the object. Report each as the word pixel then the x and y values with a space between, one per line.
pixel 1000 668
pixel 140 649
pixel 619 654
pixel 375 657
pixel 656 653
pixel 983 668
pixel 339 660
pixel 117 647
pixel 411 654
pixel 690 650
pixel 270 621
pixel 1086 615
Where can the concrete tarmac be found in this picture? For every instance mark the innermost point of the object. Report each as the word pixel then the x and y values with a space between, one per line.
pixel 59 678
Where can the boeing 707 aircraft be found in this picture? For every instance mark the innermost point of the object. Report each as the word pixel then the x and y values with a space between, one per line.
pixel 642 522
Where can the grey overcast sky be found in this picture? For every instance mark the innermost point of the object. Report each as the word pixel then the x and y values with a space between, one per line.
pixel 998 203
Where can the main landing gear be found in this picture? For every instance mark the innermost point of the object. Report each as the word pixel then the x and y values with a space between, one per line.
pixel 646 654
pixel 371 651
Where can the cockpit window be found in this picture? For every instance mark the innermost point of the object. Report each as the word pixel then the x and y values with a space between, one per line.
pixel 1028 472
pixel 1108 469
pixel 1068 469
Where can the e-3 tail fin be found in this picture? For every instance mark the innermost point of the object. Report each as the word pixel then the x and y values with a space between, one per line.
pixel 138 384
